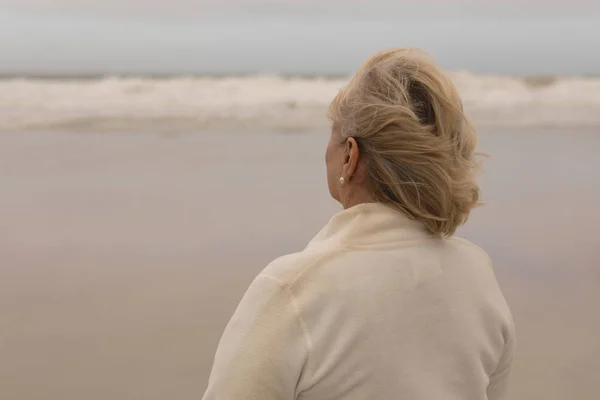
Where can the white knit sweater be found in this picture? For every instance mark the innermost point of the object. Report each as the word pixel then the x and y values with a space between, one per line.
pixel 374 308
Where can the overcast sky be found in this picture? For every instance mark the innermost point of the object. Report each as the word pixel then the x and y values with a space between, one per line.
pixel 308 36
pixel 187 8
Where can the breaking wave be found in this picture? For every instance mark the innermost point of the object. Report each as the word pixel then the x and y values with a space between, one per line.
pixel 269 102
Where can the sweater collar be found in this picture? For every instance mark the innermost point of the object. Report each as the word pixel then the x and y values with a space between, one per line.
pixel 370 224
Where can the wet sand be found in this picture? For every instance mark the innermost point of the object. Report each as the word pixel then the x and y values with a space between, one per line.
pixel 123 256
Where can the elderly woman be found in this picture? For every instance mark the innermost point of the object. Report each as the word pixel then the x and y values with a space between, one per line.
pixel 384 303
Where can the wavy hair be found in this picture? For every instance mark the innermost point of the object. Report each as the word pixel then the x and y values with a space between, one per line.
pixel 408 121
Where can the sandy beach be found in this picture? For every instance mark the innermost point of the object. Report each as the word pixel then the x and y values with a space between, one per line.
pixel 122 256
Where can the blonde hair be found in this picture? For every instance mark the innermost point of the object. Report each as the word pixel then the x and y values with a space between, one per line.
pixel 408 121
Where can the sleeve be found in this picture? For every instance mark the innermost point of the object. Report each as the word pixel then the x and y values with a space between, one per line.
pixel 263 349
pixel 498 386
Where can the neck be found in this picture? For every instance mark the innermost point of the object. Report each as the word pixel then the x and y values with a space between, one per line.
pixel 357 197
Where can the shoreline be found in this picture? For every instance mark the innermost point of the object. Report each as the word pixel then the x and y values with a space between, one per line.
pixel 271 103
pixel 291 123
pixel 532 79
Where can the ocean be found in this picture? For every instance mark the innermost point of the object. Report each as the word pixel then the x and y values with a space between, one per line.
pixel 269 103
pixel 288 37
pixel 257 65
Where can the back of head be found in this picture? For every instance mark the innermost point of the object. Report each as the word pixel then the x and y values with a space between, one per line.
pixel 419 148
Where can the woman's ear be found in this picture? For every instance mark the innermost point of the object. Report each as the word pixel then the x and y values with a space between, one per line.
pixel 351 155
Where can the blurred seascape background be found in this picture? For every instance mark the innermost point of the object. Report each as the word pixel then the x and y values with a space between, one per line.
pixel 156 155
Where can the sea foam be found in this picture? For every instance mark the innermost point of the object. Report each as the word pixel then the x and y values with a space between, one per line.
pixel 269 103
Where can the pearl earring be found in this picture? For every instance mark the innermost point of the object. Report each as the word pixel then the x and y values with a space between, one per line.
pixel 342 181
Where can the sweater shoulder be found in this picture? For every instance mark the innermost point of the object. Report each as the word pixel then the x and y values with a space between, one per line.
pixel 471 247
pixel 289 268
